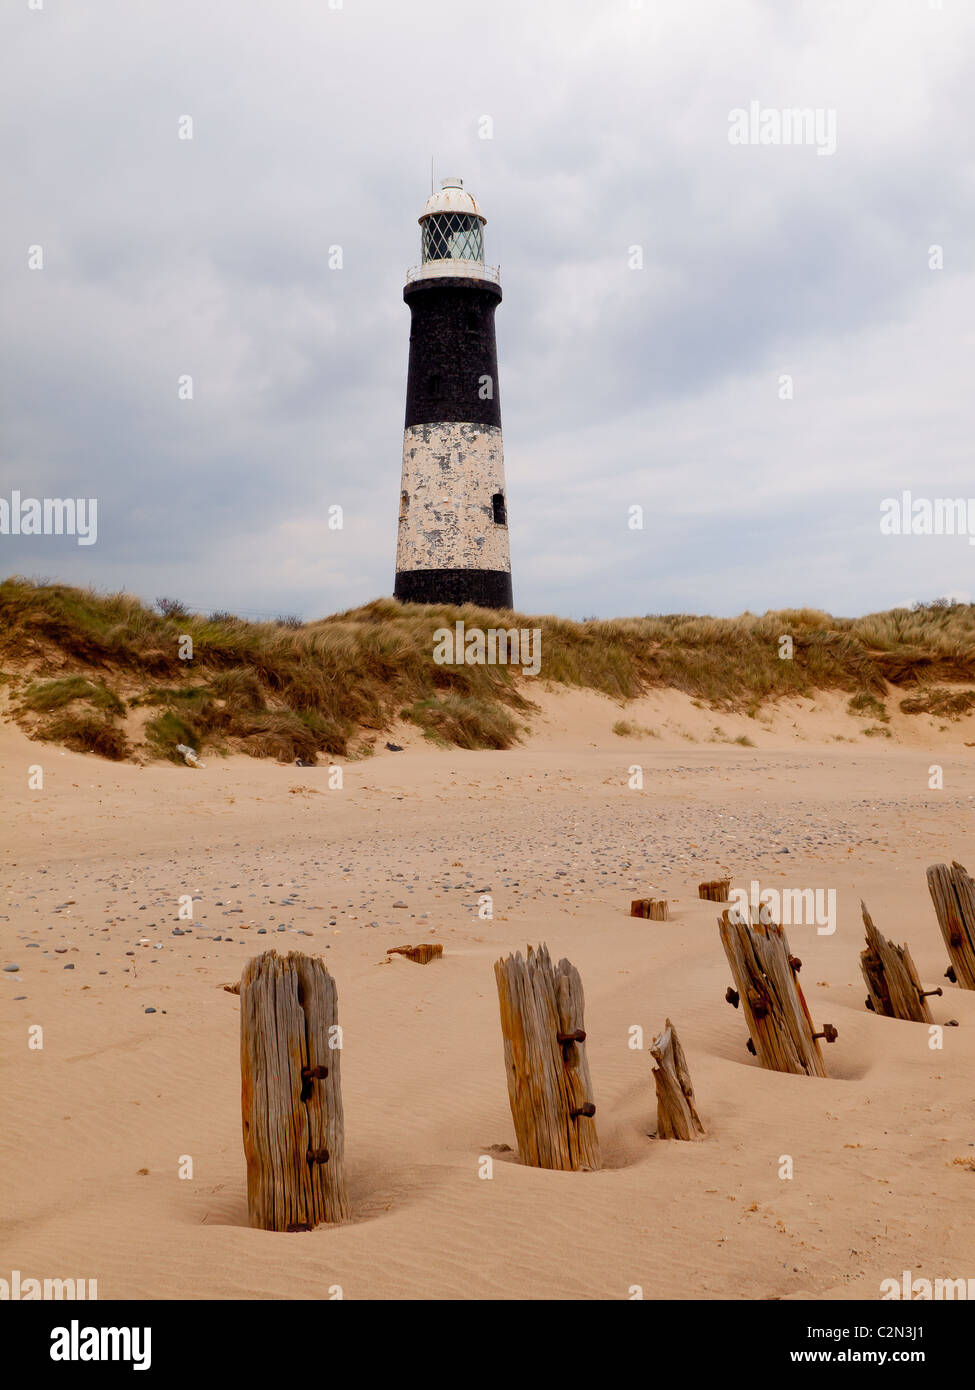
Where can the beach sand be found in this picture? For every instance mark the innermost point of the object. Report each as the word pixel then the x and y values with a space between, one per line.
pixel 96 1126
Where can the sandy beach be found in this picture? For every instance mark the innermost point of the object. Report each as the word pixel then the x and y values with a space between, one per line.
pixel 140 1061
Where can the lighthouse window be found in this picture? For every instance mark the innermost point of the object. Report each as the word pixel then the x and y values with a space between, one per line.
pixel 453 236
pixel 500 514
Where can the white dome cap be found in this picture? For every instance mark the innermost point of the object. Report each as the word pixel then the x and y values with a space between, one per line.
pixel 451 198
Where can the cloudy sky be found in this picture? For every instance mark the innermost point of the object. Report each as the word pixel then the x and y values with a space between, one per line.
pixel 313 126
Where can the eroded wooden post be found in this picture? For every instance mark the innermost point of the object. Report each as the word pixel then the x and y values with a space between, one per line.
pixel 291 1094
pixel 677 1117
pixel 549 1087
pixel 892 980
pixel 714 890
pixel 781 1031
pixel 953 894
pixel 656 909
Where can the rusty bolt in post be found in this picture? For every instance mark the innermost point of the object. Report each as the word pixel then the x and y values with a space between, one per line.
pixel 950 975
pixel 796 964
pixel 314 1073
pixel 751 1047
pixel 308 1075
pixel 829 1033
pixel 588 1110
pixel 732 996
pixel 578 1036
pixel 926 993
pixel 759 1003
pixel 316 1156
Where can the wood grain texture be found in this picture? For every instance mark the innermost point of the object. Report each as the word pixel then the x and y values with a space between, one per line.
pixel 894 989
pixel 423 953
pixel 656 909
pixel 953 894
pixel 714 890
pixel 677 1117
pixel 765 974
pixel 549 1087
pixel 291 1094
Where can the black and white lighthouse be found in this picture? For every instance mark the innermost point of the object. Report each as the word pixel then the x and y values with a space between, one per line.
pixel 453 519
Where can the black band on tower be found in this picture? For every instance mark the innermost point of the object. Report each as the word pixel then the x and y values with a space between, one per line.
pixel 485 588
pixel 452 351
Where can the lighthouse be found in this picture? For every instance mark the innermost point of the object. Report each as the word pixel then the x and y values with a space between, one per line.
pixel 453 515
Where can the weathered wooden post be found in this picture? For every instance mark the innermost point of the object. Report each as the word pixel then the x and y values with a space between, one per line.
pixel 291 1094
pixel 423 953
pixel 953 894
pixel 549 1087
pixel 781 1031
pixel 892 980
pixel 656 909
pixel 677 1117
pixel 714 890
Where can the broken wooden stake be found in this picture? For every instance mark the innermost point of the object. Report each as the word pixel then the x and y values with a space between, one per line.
pixel 677 1117
pixel 953 894
pixel 894 989
pixel 423 953
pixel 655 909
pixel 291 1095
pixel 549 1088
pixel 781 1031
pixel 715 890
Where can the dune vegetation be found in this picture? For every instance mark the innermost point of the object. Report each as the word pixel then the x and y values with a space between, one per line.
pixel 110 674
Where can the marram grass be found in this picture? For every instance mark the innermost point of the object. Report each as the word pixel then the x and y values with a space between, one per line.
pixel 81 666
